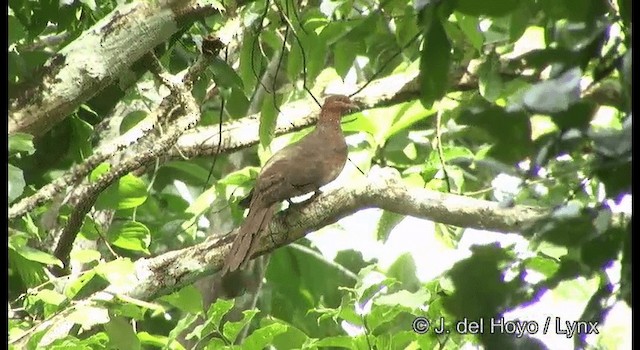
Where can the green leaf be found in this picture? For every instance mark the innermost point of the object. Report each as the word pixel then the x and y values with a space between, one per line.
pixel 490 81
pixel 263 336
pixel 89 316
pixel 240 177
pixel 16 30
pixel 130 235
pixel 187 299
pixel 129 192
pixel 199 206
pixel 91 4
pixel 544 265
pixel 224 75
pixel 554 95
pixel 251 61
pixel 85 256
pixel 37 256
pixel 21 142
pixel 16 183
pixel 494 8
pixel 31 273
pixel 435 61
pixel 86 284
pixel 232 329
pixel 80 143
pixel 294 62
pixel 121 334
pixel 131 120
pixel 577 116
pixel 217 310
pixel 412 301
pixel 158 341
pixel 268 115
pixel 469 26
pixel 344 53
pixel 50 297
pixel 388 221
pixel 119 272
pixel 510 132
pixel 340 341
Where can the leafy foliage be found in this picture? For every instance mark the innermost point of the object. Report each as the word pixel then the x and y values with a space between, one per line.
pixel 538 92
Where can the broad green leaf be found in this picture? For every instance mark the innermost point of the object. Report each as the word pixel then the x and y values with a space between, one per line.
pixel 88 316
pixel 554 95
pixel 85 256
pixel 340 341
pixel 218 310
pixel 130 235
pixel 294 61
pixel 268 115
pixel 224 75
pixel 240 177
pixel 181 326
pixel 80 143
pixel 199 206
pixel 38 256
pixel 232 329
pixel 490 81
pixel 21 142
pixel 91 4
pixel 187 299
pixel 510 132
pixel 435 60
pixel 263 336
pixel 86 284
pixel 470 26
pixel 344 54
pixel 119 272
pixel 50 297
pixel 98 171
pixel 121 334
pixel 158 341
pixel 196 170
pixel 129 192
pixel 31 273
pixel 251 61
pixel 543 265
pixel 16 29
pixel 16 183
pixel 494 8
pixel 129 301
pixel 131 120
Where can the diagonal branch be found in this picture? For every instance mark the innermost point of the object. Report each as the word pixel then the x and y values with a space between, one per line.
pixel 95 59
pixel 382 189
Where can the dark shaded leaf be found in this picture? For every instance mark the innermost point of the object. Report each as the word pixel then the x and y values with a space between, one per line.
pixel 224 75
pixel 509 131
pixel 554 95
pixel 130 235
pixel 577 116
pixel 435 61
pixel 16 183
pixel 131 120
pixel 121 334
pixel 495 8
pixel 598 252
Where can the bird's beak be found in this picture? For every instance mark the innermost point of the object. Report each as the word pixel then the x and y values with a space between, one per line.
pixel 355 106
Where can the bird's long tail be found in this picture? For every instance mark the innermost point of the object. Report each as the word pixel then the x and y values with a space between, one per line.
pixel 248 235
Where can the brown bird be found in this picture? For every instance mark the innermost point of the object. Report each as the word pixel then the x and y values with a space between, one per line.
pixel 299 168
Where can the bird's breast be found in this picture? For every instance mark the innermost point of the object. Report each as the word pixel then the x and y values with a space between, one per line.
pixel 334 162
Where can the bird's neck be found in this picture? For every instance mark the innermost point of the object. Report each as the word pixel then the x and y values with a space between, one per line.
pixel 329 121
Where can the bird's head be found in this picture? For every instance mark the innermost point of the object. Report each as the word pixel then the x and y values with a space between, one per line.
pixel 339 104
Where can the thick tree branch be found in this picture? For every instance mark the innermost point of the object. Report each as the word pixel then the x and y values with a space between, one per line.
pixel 382 189
pixel 95 59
